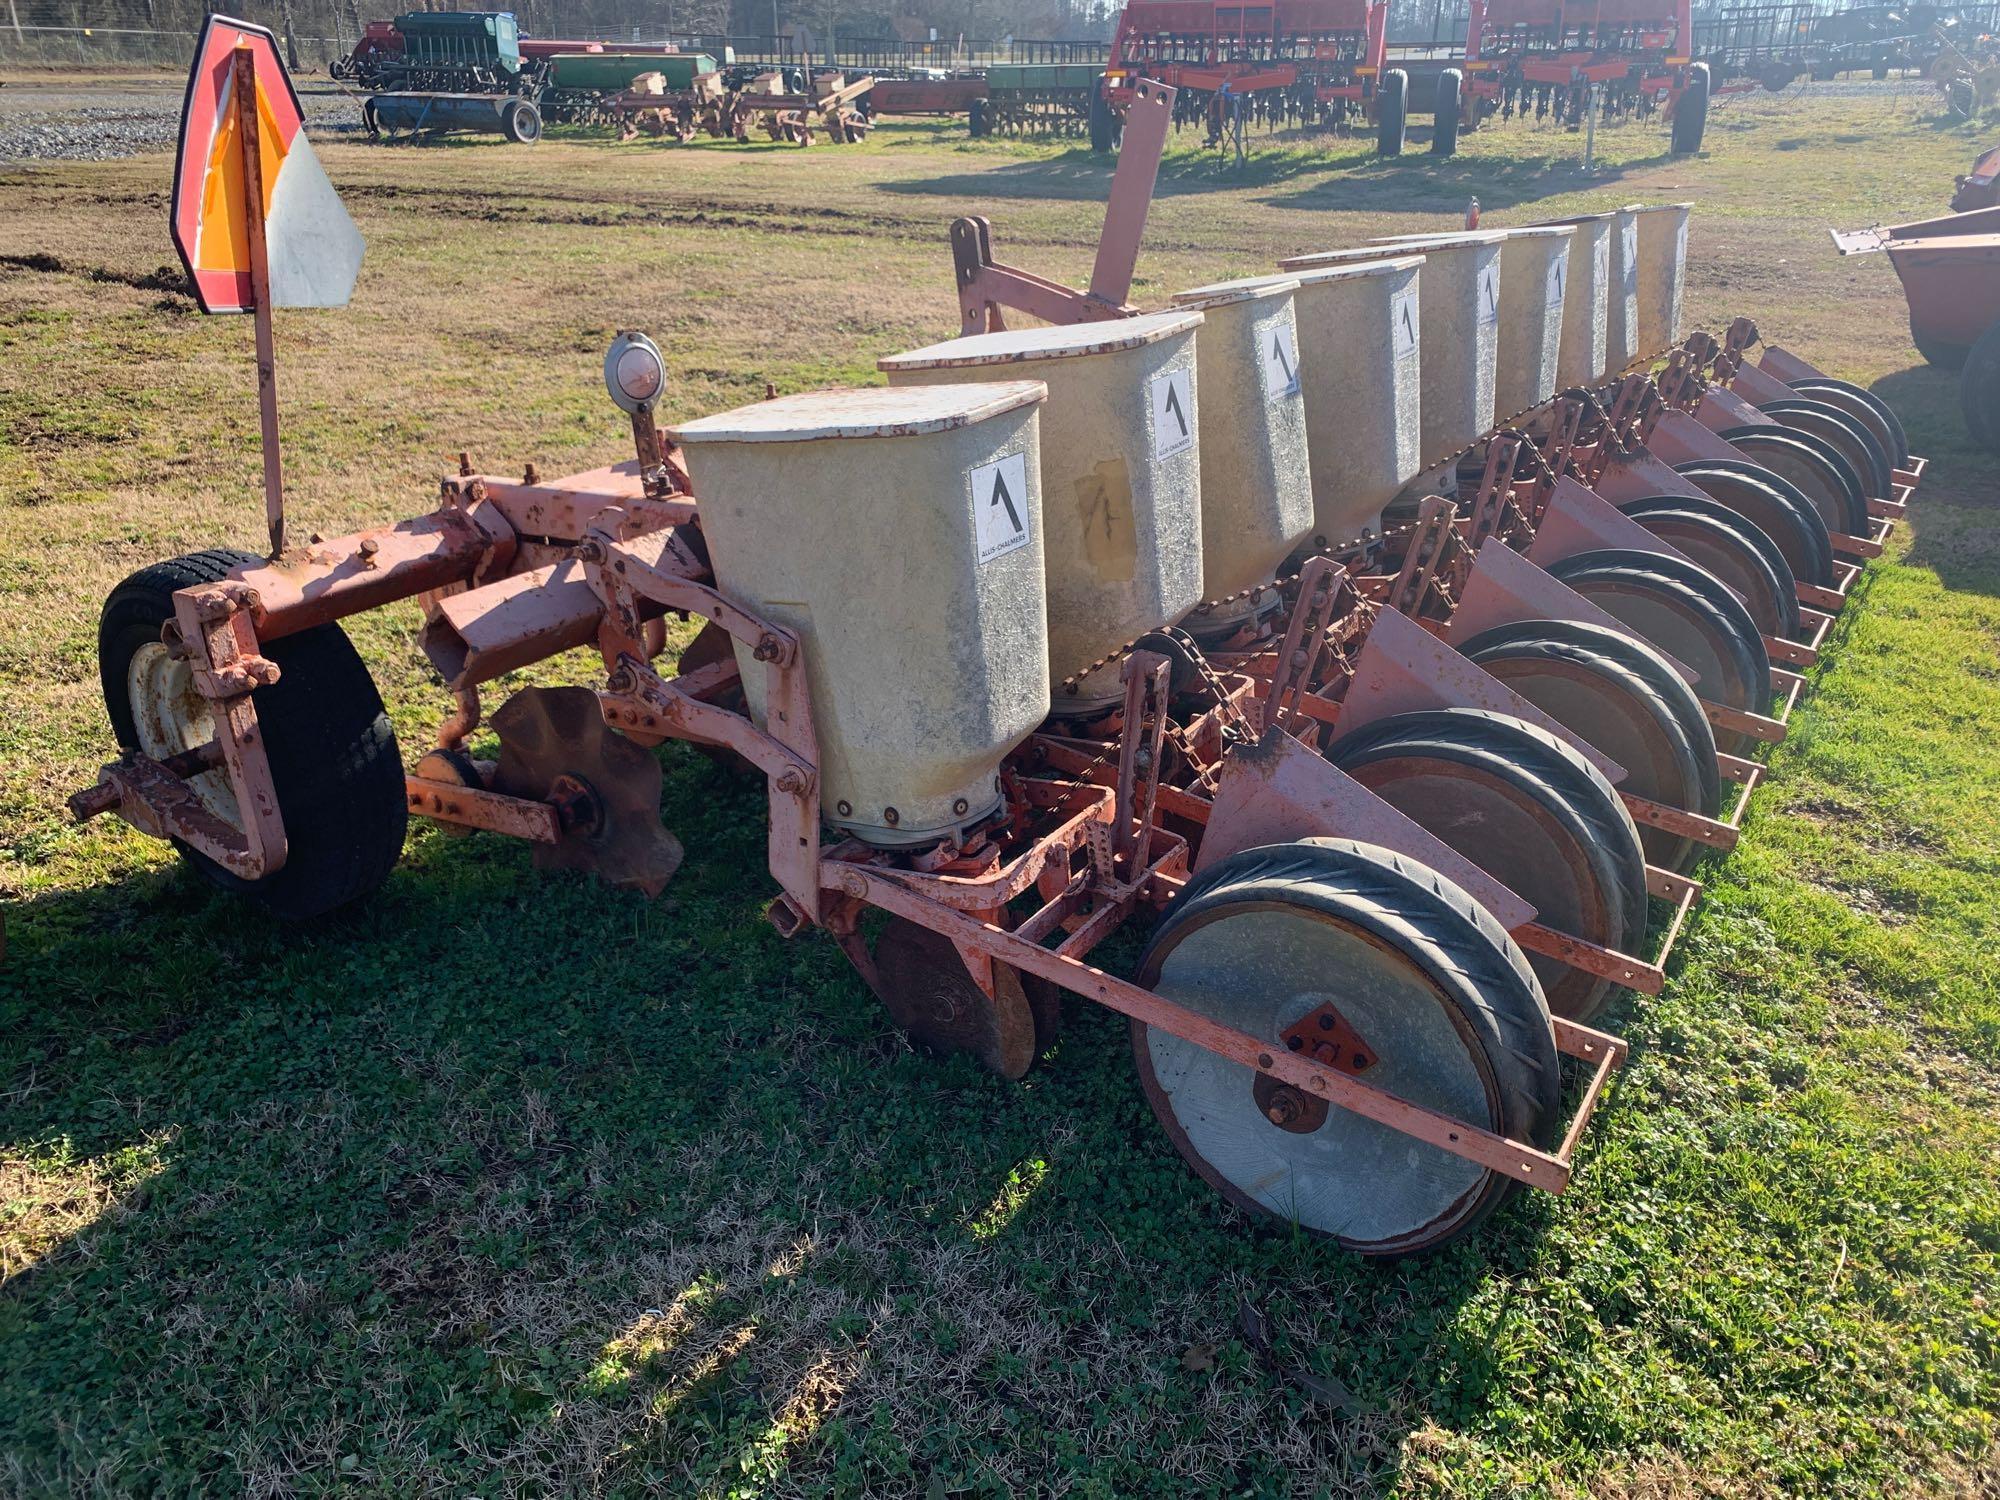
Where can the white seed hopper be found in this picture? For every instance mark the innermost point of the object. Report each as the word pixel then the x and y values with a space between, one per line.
pixel 1663 253
pixel 1586 301
pixel 1459 332
pixel 1121 478
pixel 1256 482
pixel 900 533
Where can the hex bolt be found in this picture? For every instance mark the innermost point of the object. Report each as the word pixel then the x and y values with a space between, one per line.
pixel 1284 1107
pixel 365 553
pixel 766 649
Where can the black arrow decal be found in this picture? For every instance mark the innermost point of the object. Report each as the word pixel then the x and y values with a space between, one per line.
pixel 1174 406
pixel 1001 497
pixel 1278 348
pixel 1409 327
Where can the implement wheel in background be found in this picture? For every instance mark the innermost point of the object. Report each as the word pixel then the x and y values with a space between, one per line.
pixel 334 761
pixel 1327 937
pixel 1691 112
pixel 1444 138
pixel 1392 99
pixel 1979 390
pixel 521 122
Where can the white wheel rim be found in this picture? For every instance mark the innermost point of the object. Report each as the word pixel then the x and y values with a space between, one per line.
pixel 1260 971
pixel 170 715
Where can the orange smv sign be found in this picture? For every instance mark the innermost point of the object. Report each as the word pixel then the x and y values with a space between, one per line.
pixel 311 247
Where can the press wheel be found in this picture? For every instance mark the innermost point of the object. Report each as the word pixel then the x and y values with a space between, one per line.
pixel 928 992
pixel 1528 810
pixel 1330 938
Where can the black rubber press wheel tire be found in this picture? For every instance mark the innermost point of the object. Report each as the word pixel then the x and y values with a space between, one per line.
pixel 1776 506
pixel 1867 406
pixel 1688 615
pixel 1569 848
pixel 1691 113
pixel 1715 538
pixel 1613 708
pixel 1444 133
pixel 1440 996
pixel 334 760
pixel 1979 390
pixel 1847 434
pixel 1644 661
pixel 1814 465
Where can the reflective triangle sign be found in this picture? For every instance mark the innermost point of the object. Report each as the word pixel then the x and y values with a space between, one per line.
pixel 313 248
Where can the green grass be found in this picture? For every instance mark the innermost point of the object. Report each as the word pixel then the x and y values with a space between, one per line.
pixel 507 1184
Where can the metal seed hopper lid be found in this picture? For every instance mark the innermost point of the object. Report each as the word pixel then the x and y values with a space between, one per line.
pixel 1655 208
pixel 1248 289
pixel 1017 345
pixel 1462 239
pixel 1450 238
pixel 872 411
pixel 1575 219
pixel 1381 265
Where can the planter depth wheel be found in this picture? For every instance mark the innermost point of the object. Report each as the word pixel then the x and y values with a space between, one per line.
pixel 1722 543
pixel 1613 707
pixel 1826 478
pixel 1776 507
pixel 1530 811
pixel 1373 965
pixel 1691 623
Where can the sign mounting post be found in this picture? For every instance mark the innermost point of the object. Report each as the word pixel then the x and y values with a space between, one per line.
pixel 243 65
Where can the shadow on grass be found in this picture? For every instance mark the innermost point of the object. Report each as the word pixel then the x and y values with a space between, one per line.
pixel 506 1169
pixel 1342 174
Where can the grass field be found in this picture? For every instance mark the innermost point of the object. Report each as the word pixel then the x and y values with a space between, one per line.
pixel 506 1184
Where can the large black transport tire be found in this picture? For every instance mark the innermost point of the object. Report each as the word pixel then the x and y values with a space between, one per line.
pixel 1103 121
pixel 1979 391
pixel 334 760
pixel 1691 112
pixel 977 125
pixel 521 122
pixel 1617 710
pixel 1444 136
pixel 1712 536
pixel 1776 506
pixel 1866 407
pixel 1529 810
pixel 1439 997
pixel 1392 101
